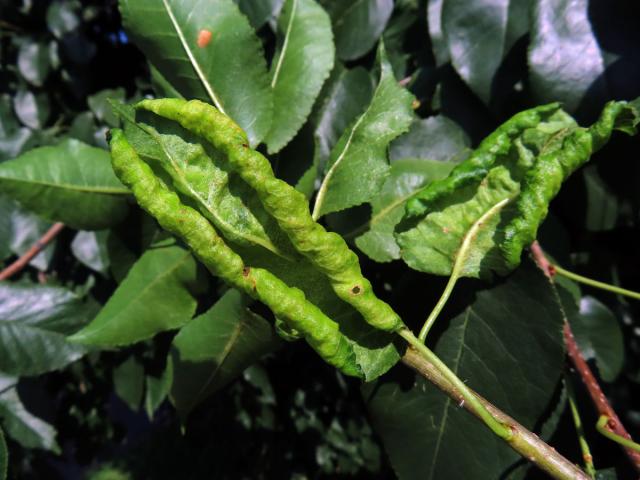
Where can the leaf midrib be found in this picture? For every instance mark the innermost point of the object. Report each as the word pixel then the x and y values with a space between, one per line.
pixel 178 263
pixel 194 63
pixel 285 45
pixel 69 186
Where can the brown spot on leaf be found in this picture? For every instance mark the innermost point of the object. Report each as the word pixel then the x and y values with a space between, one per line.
pixel 356 290
pixel 246 271
pixel 204 37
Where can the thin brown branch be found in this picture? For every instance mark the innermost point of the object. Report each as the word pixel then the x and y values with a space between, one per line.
pixel 526 443
pixel 598 398
pixel 24 260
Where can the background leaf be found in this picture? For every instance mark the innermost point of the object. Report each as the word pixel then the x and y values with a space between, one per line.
pixel 425 434
pixel 34 320
pixel 31 108
pixel 358 165
pixel 598 334
pixel 22 426
pixel 156 295
pixel 302 63
pixel 358 24
pixel 128 382
pixel 216 347
pixel 4 456
pixel 90 248
pixel 33 62
pixel 71 182
pixel 564 56
pixel 479 35
pixel 229 71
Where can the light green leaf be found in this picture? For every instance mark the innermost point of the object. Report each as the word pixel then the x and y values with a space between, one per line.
pixel 90 248
pixel 433 243
pixel 525 161
pixel 33 62
pixel 358 163
pixel 215 348
pixel 599 335
pixel 128 382
pixel 358 24
pixel 203 175
pixel 19 424
pixel 479 35
pixel 564 56
pixel 229 71
pixel 406 177
pixel 426 434
pixel 302 63
pixel 34 320
pixel 156 295
pixel 70 182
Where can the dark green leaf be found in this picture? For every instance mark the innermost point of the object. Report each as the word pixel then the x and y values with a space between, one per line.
pixel 215 348
pixel 433 138
pixel 128 382
pixel 358 24
pixel 32 109
pixel 564 56
pixel 102 109
pixel 438 40
pixel 70 182
pixel 598 334
pixel 34 320
pixel 406 177
pixel 91 249
pixel 156 295
pixel 20 230
pixel 4 457
pixel 349 93
pixel 229 71
pixel 19 424
pixel 490 346
pixel 479 34
pixel 259 11
pixel 601 205
pixel 358 163
pixel 33 62
pixel 302 63
pixel 157 389
pixel 61 18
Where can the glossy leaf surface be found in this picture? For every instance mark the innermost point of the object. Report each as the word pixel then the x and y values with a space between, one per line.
pixel 229 71
pixel 71 183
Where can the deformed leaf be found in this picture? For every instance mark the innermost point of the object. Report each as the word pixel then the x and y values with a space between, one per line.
pixel 204 176
pixel 215 347
pixel 301 64
pixel 426 434
pixel 156 295
pixel 358 164
pixel 387 209
pixel 228 70
pixel 525 161
pixel 70 182
pixel 34 320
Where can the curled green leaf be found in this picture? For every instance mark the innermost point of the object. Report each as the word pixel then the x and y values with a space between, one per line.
pixel 155 197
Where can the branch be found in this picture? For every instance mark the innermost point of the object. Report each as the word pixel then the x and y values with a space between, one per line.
pixel 600 402
pixel 526 443
pixel 24 260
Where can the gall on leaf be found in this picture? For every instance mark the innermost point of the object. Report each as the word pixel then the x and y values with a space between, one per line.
pixel 204 37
